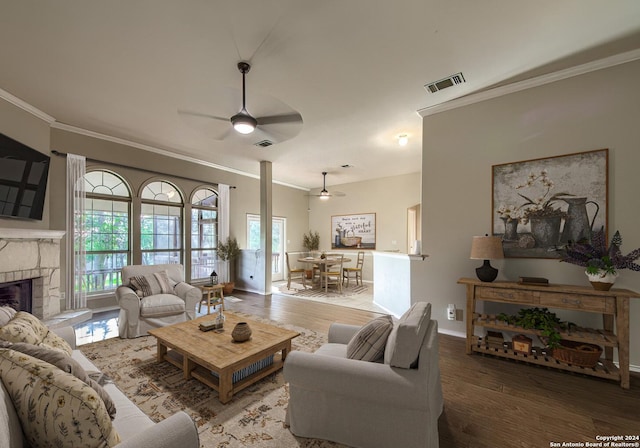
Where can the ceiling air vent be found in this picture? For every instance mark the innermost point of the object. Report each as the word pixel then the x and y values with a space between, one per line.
pixel 263 143
pixel 449 81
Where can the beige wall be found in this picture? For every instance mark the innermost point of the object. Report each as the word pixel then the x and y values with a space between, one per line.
pixel 33 132
pixel 387 197
pixel 592 111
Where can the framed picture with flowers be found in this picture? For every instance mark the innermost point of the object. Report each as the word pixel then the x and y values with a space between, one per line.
pixel 541 205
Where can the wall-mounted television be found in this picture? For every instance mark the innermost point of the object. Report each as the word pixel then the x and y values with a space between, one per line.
pixel 23 180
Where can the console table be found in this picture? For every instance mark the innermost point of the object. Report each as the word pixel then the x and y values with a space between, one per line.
pixel 613 305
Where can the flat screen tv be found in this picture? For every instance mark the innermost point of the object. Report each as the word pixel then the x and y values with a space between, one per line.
pixel 23 180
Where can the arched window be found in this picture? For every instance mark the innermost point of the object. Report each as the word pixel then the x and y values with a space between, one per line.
pixel 204 232
pixel 107 224
pixel 161 223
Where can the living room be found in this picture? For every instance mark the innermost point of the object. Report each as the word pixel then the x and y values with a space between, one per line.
pixel 589 108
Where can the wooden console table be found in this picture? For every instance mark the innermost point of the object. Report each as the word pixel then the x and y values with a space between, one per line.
pixel 613 305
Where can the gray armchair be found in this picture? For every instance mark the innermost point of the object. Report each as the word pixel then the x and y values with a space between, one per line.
pixel 140 314
pixel 368 404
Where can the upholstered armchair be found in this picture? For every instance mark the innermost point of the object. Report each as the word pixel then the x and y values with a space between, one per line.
pixel 154 296
pixel 393 402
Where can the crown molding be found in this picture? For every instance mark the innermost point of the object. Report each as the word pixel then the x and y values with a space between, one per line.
pixel 163 152
pixel 589 67
pixel 26 106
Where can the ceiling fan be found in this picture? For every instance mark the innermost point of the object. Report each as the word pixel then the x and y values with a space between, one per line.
pixel 244 123
pixel 324 194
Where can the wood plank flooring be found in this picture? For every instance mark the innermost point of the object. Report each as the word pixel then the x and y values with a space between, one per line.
pixel 490 402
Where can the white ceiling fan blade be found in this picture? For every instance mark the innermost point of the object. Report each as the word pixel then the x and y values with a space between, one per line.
pixel 203 115
pixel 277 119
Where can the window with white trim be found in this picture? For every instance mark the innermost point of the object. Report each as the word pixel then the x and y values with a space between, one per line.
pixel 108 229
pixel 161 223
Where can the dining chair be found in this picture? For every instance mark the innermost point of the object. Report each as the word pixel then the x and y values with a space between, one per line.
pixel 355 272
pixel 294 274
pixel 332 274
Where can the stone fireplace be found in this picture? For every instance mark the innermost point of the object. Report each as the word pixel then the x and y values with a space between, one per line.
pixel 31 254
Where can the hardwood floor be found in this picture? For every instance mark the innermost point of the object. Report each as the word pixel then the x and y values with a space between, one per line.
pixel 490 402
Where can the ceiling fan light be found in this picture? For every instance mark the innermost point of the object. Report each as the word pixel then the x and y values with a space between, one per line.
pixel 324 195
pixel 244 123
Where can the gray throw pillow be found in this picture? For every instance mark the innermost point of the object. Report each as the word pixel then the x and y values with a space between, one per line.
pixel 404 342
pixel 369 342
pixel 66 364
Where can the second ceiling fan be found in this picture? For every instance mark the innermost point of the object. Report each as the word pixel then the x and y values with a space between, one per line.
pixel 324 193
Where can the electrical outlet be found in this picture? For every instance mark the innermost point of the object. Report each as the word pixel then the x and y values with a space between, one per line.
pixel 451 312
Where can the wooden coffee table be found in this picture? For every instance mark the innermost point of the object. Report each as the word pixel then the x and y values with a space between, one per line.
pixel 212 357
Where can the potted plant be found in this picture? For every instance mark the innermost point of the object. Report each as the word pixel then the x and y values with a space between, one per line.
pixel 602 263
pixel 540 319
pixel 227 252
pixel 311 242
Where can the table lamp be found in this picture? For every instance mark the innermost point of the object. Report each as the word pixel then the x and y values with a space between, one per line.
pixel 486 248
pixel 214 278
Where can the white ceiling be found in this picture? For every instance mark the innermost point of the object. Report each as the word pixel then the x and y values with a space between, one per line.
pixel 354 69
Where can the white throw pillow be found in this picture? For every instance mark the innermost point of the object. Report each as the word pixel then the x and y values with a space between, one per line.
pixel 6 314
pixel 369 342
pixel 405 340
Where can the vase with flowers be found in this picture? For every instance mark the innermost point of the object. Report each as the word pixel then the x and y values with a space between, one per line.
pixel 545 218
pixel 602 263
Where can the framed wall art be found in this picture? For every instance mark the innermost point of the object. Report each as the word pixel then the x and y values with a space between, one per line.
pixel 356 231
pixel 540 205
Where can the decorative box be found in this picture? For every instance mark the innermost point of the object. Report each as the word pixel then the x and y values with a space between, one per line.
pixel 494 339
pixel 522 344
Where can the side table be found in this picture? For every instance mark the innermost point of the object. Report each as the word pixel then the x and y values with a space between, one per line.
pixel 215 296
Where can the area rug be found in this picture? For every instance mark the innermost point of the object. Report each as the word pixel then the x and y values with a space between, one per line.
pixel 298 290
pixel 254 418
pixel 357 297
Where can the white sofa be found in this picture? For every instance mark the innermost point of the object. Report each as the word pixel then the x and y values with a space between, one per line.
pixel 138 314
pixel 370 404
pixel 133 427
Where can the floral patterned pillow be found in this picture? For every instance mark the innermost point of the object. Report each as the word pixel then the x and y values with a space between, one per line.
pixel 54 407
pixel 25 327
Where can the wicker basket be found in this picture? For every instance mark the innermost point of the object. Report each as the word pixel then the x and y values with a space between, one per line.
pixel 350 241
pixel 578 353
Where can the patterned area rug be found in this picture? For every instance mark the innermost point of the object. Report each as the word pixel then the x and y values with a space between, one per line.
pixel 254 418
pixel 298 290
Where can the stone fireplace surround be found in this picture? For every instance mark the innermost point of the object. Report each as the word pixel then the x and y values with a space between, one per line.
pixel 33 254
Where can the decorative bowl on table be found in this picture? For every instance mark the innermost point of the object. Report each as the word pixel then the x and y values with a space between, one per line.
pixel 350 241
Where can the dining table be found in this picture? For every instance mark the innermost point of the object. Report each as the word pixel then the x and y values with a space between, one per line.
pixel 322 263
